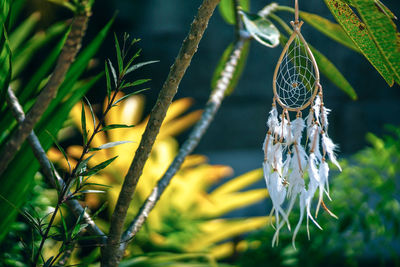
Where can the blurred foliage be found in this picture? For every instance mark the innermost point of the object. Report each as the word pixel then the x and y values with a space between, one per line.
pixel 26 42
pixel 367 201
pixel 185 220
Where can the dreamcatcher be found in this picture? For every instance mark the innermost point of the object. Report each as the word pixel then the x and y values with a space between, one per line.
pixel 295 166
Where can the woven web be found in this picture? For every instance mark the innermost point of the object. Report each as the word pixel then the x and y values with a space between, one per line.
pixel 296 76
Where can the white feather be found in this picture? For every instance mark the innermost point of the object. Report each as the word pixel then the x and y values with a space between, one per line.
pixel 312 188
pixel 330 148
pixel 317 108
pixel 273 121
pixel 324 117
pixel 323 180
pixel 297 129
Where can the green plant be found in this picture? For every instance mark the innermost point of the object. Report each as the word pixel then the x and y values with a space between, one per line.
pixel 367 202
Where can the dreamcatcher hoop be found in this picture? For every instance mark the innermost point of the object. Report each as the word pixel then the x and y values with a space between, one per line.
pixel 295 87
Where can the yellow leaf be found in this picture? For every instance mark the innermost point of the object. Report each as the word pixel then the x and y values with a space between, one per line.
pixel 221 229
pixel 240 182
pixel 218 204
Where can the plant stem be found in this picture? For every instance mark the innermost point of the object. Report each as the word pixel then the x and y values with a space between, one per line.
pixel 111 252
pixel 67 56
pixel 46 166
pixel 194 138
pixel 46 234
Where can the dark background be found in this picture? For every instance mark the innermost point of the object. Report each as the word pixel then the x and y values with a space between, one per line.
pixel 236 135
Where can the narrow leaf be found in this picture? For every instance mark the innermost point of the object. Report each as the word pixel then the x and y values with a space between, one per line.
pixel 261 29
pixel 116 126
pixel 119 56
pixel 64 224
pixel 139 65
pixel 135 83
pixel 83 164
pixel 114 74
pixel 108 80
pixel 112 144
pixel 330 29
pixel 99 167
pixel 59 148
pixel 83 124
pixel 92 191
pixel 357 31
pixel 128 95
pixel 19 35
pixel 91 112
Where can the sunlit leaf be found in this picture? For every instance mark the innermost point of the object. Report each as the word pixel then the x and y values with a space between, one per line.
pixel 116 126
pixel 139 65
pixel 114 73
pixel 110 144
pixel 357 31
pixel 261 29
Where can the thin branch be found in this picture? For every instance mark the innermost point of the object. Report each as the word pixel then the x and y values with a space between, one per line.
pixel 111 255
pixel 194 138
pixel 46 166
pixel 67 56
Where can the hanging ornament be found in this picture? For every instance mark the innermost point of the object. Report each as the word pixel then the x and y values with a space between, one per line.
pixel 295 166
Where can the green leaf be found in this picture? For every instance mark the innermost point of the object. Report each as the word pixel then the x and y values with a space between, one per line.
pixel 108 81
pixel 64 224
pixel 92 191
pixel 113 72
pixel 5 65
pixel 357 31
pixel 59 148
pixel 32 88
pixel 116 126
pixel 78 226
pixel 110 144
pixel 128 95
pixel 119 57
pixel 237 73
pixel 83 124
pixel 135 83
pixel 22 56
pixel 383 31
pixel 83 164
pixel 19 35
pixel 99 167
pixel 261 29
pixel 330 29
pixel 139 65
pixel 91 112
pixel 227 10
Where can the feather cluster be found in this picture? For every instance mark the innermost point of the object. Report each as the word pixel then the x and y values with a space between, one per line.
pixel 294 170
